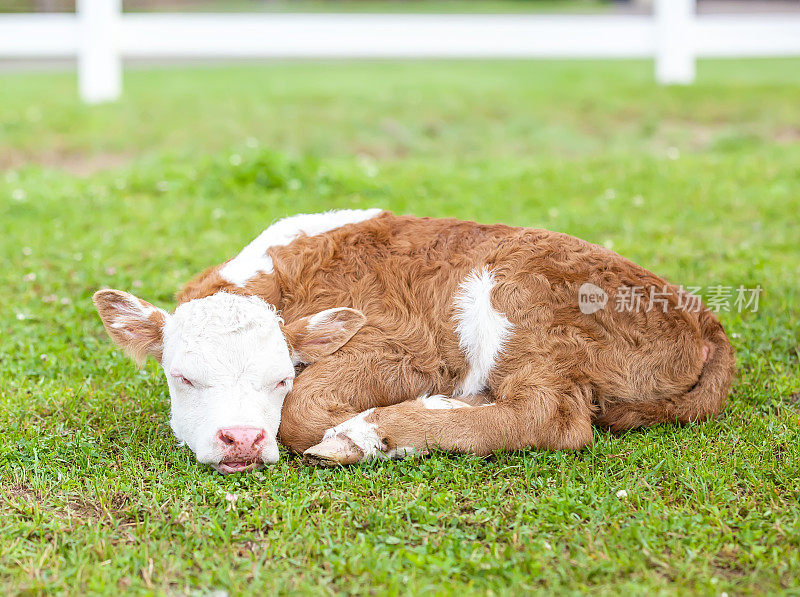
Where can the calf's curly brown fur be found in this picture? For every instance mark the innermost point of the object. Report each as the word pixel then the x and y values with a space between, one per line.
pixel 559 371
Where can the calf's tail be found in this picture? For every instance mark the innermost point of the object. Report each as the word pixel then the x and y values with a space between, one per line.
pixel 707 397
pixel 704 399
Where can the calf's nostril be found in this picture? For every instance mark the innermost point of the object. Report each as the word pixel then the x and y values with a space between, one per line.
pixel 259 439
pixel 225 439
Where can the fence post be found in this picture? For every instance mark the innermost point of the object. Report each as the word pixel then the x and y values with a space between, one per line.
pixel 99 62
pixel 675 52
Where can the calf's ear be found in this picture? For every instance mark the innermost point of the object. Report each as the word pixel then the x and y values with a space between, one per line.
pixel 134 325
pixel 311 338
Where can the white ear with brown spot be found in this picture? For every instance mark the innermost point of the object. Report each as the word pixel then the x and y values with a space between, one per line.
pixel 134 325
pixel 317 336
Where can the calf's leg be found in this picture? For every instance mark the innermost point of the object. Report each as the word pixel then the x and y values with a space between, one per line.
pixel 528 413
pixel 337 388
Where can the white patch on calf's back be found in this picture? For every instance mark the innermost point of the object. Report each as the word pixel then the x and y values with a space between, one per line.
pixel 482 331
pixel 253 259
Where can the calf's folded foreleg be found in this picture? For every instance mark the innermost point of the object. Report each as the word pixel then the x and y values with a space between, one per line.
pixel 533 415
pixel 338 388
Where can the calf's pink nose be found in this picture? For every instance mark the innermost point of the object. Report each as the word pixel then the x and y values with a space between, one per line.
pixel 241 442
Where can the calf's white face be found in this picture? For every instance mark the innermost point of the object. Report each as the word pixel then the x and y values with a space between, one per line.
pixel 228 366
pixel 229 362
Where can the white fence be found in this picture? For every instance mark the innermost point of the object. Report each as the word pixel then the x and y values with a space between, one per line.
pixel 100 36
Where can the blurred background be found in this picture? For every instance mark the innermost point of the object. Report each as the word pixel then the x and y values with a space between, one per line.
pixel 511 6
pixel 101 34
pixel 426 100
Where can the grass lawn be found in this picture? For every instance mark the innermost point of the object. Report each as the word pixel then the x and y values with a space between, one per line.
pixel 700 184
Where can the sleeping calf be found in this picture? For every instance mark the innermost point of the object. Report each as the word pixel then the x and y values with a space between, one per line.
pixel 417 333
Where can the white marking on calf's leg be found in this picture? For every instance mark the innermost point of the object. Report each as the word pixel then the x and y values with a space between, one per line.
pixel 482 331
pixel 441 402
pixel 362 434
pixel 337 444
pixel 402 452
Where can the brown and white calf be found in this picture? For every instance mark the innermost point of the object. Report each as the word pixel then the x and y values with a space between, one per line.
pixel 419 333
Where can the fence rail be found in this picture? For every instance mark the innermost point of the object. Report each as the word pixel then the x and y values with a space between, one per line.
pixel 100 37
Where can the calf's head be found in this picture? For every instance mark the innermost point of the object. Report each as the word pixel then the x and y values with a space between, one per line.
pixel 229 362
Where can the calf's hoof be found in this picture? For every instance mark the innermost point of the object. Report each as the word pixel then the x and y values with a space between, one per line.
pixel 333 451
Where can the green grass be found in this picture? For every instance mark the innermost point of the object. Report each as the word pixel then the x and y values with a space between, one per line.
pixel 700 184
